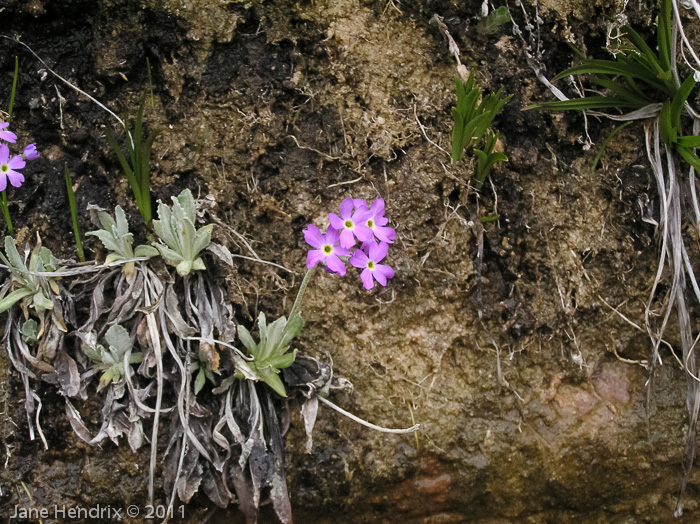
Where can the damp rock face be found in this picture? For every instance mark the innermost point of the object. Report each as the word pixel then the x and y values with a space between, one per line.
pixel 520 358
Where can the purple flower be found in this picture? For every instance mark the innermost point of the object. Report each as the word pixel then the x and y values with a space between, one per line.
pixel 377 222
pixel 369 263
pixel 351 225
pixel 30 152
pixel 7 136
pixel 8 166
pixel 327 249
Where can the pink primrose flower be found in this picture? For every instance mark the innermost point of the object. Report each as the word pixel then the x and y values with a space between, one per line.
pixel 7 136
pixel 30 152
pixel 351 224
pixel 369 263
pixel 9 168
pixel 327 249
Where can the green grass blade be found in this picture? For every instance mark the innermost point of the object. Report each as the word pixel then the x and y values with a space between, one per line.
pixel 14 90
pixel 6 213
pixel 689 157
pixel 128 172
pixel 74 215
pixel 623 91
pixel 679 100
pixel 150 83
pixel 688 141
pixel 665 35
pixel 650 60
pixel 666 130
pixel 605 143
pixel 138 138
pixel 581 104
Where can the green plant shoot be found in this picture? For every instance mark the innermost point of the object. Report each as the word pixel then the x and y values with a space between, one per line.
pixel 74 215
pixel 137 167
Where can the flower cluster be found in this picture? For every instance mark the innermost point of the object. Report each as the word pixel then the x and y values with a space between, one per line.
pixel 10 165
pixel 357 222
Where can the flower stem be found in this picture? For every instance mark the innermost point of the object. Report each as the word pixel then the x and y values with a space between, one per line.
pixel 6 214
pixel 300 295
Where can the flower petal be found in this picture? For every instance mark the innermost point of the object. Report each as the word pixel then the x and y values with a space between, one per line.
pixel 336 221
pixel 385 234
pixel 367 279
pixel 358 259
pixel 3 182
pixel 16 178
pixel 313 257
pixel 332 236
pixel 359 203
pixel 346 208
pixel 313 236
pixel 8 136
pixel 347 239
pixel 336 265
pixel 340 251
pixel 382 272
pixel 361 215
pixel 30 152
pixel 17 162
pixel 4 153
pixel 377 208
pixel 363 233
pixel 377 252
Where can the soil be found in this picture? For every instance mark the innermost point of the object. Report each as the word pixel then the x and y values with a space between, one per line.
pixel 518 363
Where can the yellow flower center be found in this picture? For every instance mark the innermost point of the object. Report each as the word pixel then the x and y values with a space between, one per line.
pixel 371 265
pixel 327 249
pixel 349 224
pixel 370 223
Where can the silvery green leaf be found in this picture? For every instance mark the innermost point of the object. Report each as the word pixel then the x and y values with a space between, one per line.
pixel 273 380
pixel 122 224
pixel 274 337
pixel 292 329
pixel 199 381
pixel 107 240
pixel 13 255
pixel 145 251
pixel 170 256
pixel 283 361
pixel 30 330
pixel 177 233
pixel 47 260
pixel 163 226
pixel 187 204
pixel 14 297
pixel 187 235
pixel 202 238
pixel 135 358
pixel 108 223
pixel 247 340
pixel 40 302
pixel 113 257
pixel 262 329
pixel 119 338
pixel 93 353
pixel 106 378
pixel 198 264
pixel 184 268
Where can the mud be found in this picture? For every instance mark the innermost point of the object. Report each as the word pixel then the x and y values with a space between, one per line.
pixel 281 110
